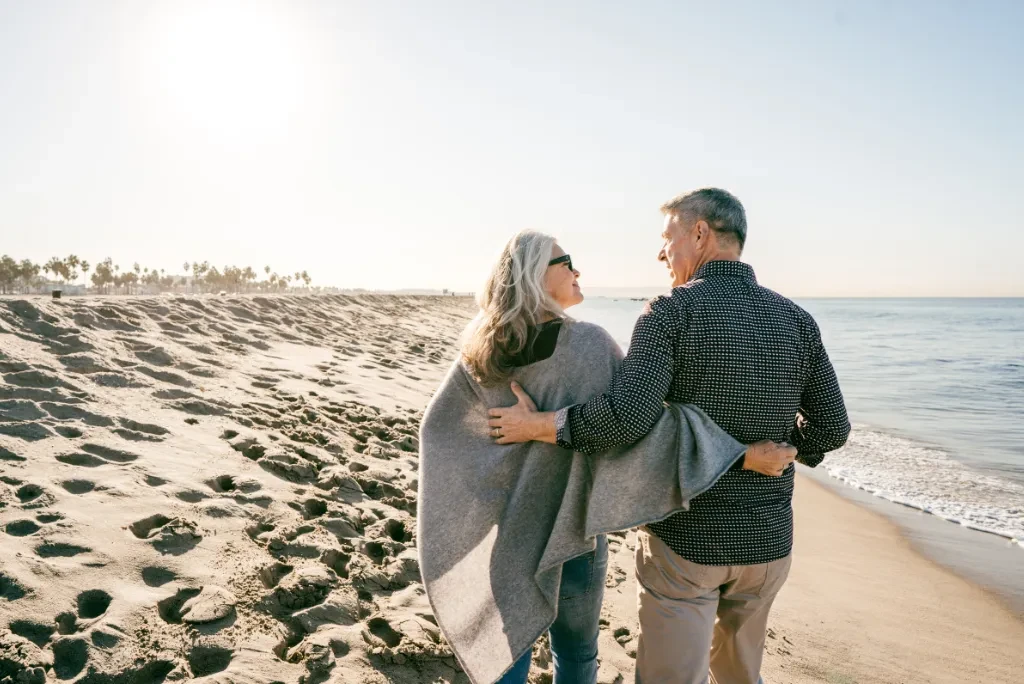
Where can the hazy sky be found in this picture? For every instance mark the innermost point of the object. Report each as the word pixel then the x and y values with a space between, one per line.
pixel 877 146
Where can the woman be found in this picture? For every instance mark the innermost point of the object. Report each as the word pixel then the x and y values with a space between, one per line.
pixel 511 537
pixel 522 312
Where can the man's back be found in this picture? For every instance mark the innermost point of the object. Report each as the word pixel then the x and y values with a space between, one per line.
pixel 752 360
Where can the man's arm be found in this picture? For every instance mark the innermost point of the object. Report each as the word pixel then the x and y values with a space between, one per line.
pixel 623 414
pixel 636 398
pixel 822 424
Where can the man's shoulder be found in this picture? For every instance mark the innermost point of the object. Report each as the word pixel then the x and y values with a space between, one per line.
pixel 784 303
pixel 704 294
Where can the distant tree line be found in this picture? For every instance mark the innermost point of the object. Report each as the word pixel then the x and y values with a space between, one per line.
pixel 20 277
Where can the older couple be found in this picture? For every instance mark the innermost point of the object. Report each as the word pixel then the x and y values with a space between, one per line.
pixel 690 437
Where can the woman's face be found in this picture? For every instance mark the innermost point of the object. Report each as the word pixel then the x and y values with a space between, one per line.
pixel 560 281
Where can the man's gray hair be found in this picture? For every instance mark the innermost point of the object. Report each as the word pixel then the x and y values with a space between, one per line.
pixel 722 211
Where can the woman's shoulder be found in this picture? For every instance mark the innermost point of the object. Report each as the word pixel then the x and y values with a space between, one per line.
pixel 591 335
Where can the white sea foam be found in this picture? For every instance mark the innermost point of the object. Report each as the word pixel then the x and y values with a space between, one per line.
pixel 926 478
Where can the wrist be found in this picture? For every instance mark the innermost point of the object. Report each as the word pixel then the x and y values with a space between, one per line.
pixel 543 427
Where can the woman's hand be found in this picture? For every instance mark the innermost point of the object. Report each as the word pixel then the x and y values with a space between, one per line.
pixel 769 458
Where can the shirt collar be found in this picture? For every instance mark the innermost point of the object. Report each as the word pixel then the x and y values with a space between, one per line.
pixel 725 269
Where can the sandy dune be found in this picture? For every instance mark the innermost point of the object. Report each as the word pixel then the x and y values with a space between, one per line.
pixel 219 487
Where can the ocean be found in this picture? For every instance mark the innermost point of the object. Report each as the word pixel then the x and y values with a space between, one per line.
pixel 935 391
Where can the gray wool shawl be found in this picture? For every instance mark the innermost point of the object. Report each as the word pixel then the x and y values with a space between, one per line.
pixel 496 522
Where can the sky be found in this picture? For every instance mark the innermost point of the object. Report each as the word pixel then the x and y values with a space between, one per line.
pixel 878 147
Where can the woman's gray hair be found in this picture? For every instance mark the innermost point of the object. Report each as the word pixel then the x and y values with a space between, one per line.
pixel 513 300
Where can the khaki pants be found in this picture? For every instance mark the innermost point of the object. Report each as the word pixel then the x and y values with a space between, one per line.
pixel 695 618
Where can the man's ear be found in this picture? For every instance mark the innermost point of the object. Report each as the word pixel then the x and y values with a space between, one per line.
pixel 702 231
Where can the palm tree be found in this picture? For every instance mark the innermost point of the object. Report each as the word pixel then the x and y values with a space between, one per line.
pixel 28 272
pixel 55 266
pixel 248 275
pixel 8 273
pixel 85 272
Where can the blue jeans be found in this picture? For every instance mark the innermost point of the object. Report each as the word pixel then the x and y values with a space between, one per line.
pixel 574 631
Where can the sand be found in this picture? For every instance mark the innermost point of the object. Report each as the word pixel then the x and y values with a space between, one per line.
pixel 225 488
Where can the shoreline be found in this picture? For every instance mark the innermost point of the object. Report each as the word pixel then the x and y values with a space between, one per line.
pixel 861 605
pixel 859 609
pixel 987 560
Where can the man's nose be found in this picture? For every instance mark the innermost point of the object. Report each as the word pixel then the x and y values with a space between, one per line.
pixel 661 255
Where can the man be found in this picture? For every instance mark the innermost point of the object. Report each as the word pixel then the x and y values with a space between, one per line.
pixel 754 362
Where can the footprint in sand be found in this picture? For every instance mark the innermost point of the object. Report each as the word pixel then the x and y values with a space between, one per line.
pixel 109 454
pixel 191 496
pixel 133 436
pixel 81 460
pixel 397 530
pixel 382 629
pixel 10 588
pixel 271 575
pixel 222 484
pixel 38 633
pixel 97 455
pixel 60 550
pixel 337 561
pixel 147 428
pixel 92 603
pixel 305 587
pixel 208 660
pixel 21 528
pixel 66 412
pixel 28 493
pixel 313 508
pixel 30 432
pixel 173 536
pixel 69 657
pixel 156 576
pixel 68 431
pixel 78 486
pixel 170 607
pixel 8 455
pixel 67 622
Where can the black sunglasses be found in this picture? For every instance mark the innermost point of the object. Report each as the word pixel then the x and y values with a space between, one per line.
pixel 564 259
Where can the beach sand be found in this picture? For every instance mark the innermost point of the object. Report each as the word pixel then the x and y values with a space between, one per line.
pixel 225 487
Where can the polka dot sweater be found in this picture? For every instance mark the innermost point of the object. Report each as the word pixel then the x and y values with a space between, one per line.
pixel 754 362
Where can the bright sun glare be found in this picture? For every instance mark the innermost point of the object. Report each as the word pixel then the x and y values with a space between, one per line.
pixel 230 70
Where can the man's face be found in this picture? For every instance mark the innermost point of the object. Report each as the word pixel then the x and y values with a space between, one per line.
pixel 678 250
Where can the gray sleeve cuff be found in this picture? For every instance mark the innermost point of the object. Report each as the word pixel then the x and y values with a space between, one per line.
pixel 563 434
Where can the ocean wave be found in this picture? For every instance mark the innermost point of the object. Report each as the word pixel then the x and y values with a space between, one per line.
pixel 929 479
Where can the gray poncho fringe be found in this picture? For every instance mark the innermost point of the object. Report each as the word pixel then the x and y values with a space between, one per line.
pixel 496 523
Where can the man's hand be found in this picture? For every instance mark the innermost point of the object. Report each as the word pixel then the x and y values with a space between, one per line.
pixel 769 458
pixel 522 422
